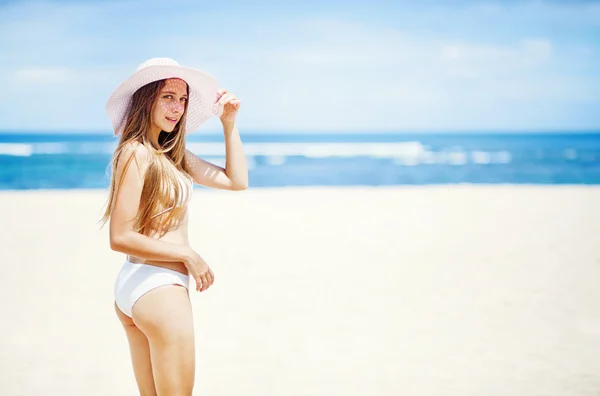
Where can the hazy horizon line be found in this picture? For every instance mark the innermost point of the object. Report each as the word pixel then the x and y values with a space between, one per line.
pixel 332 132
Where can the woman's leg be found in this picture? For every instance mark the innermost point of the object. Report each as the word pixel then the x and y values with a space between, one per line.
pixel 140 355
pixel 164 315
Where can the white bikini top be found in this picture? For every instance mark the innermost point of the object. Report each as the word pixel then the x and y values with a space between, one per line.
pixel 187 187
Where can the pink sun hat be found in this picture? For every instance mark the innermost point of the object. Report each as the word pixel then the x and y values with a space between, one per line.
pixel 201 102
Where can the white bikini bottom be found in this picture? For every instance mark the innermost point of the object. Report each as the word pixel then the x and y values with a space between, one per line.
pixel 135 280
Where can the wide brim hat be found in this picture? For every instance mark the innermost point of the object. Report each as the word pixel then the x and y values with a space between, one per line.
pixel 202 92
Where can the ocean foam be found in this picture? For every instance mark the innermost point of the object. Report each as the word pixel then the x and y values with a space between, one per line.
pixel 404 153
pixel 16 149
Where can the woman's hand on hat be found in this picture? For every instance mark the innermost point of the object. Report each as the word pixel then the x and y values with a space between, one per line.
pixel 231 104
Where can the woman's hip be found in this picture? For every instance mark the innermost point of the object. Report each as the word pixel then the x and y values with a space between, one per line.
pixel 134 280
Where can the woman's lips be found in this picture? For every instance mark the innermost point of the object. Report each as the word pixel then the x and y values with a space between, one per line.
pixel 174 121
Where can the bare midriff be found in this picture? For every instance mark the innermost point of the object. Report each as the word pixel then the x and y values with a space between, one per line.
pixel 177 236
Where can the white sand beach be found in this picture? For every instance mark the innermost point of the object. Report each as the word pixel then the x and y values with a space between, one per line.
pixel 418 291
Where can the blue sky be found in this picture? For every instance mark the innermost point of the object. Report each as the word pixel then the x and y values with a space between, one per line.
pixel 316 66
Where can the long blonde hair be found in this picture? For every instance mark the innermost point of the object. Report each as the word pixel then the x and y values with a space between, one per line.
pixel 161 188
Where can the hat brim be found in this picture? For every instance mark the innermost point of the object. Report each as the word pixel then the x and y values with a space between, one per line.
pixel 201 102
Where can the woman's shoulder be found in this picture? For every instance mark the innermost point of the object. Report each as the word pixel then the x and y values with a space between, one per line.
pixel 137 149
pixel 137 152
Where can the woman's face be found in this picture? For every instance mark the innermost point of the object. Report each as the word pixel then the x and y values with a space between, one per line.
pixel 170 105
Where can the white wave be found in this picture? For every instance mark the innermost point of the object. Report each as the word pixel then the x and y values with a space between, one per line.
pixel 276 160
pixel 220 161
pixel 502 157
pixel 457 158
pixel 16 149
pixel 50 148
pixel 26 149
pixel 406 161
pixel 95 148
pixel 406 153
pixel 250 163
pixel 403 153
pixel 317 150
pixel 481 157
pixel 429 157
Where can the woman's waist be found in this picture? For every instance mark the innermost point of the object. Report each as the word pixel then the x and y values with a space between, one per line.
pixel 178 237
pixel 172 265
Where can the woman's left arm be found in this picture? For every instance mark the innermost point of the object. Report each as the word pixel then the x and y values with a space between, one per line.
pixel 235 174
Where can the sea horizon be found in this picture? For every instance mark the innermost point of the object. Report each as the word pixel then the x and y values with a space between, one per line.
pixel 292 132
pixel 42 160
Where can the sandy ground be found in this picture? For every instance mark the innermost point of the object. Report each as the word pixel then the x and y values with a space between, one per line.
pixel 441 290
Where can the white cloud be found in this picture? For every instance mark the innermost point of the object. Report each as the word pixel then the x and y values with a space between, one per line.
pixel 41 75
pixel 361 77
pixel 476 61
pixel 427 70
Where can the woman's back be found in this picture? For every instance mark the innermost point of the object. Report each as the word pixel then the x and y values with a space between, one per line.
pixel 178 230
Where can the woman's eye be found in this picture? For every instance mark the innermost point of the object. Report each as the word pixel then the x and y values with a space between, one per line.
pixel 167 97
pixel 184 99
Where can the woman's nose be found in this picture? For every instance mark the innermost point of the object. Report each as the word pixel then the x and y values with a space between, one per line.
pixel 177 108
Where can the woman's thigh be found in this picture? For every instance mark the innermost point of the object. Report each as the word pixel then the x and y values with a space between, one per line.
pixel 140 354
pixel 164 315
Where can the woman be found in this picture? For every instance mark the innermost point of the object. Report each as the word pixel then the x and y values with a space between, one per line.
pixel 151 184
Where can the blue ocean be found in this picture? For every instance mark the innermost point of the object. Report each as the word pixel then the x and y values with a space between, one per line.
pixel 81 161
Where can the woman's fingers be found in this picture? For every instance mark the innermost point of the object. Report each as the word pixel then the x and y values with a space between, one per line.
pixel 220 94
pixel 224 99
pixel 227 98
pixel 206 281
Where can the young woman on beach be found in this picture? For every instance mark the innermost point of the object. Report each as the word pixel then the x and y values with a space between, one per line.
pixel 151 184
